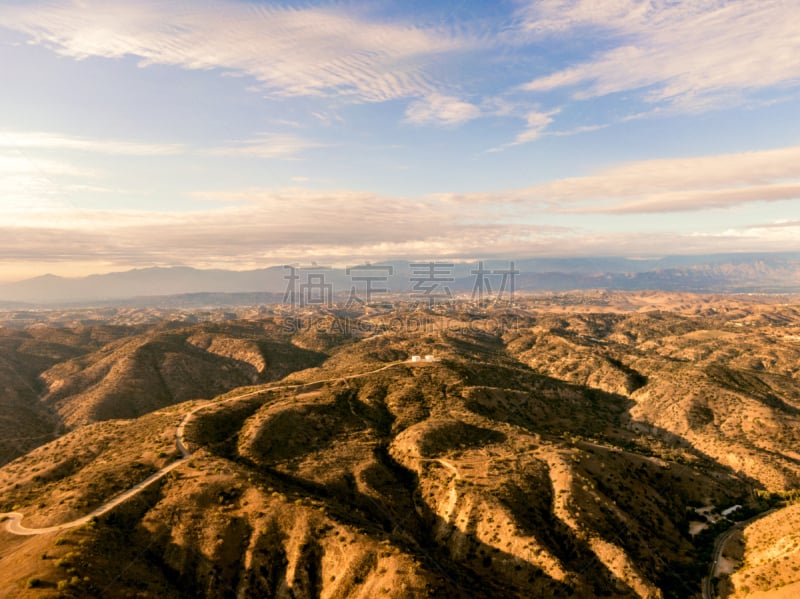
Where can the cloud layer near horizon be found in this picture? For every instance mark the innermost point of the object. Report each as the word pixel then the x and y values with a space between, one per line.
pixel 689 184
pixel 266 226
pixel 255 237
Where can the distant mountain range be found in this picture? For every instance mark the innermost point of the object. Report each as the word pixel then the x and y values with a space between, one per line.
pixel 179 286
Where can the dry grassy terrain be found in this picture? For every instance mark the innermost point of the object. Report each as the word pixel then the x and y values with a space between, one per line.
pixel 26 422
pixel 578 445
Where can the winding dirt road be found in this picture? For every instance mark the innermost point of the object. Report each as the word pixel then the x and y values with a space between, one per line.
pixel 14 519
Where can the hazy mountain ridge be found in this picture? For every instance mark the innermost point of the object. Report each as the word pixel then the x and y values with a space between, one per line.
pixel 159 286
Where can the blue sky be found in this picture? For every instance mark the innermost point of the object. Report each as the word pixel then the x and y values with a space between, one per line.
pixel 243 134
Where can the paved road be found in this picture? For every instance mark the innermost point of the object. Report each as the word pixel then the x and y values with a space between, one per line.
pixel 719 546
pixel 14 519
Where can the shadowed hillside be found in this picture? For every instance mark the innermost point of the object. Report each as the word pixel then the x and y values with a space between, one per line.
pixel 136 375
pixel 24 421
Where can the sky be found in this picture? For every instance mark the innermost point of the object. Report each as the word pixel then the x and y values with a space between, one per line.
pixel 243 134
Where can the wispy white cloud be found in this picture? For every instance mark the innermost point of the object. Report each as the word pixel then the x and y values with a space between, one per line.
pixel 266 145
pixel 691 56
pixel 536 123
pixel 544 17
pixel 665 185
pixel 578 130
pixel 39 140
pixel 438 109
pixel 704 199
pixel 35 186
pixel 289 51
pixel 781 224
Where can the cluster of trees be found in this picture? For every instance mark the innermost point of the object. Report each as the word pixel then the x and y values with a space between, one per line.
pixel 774 497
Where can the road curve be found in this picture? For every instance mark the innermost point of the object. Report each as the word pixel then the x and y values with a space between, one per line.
pixel 719 546
pixel 14 519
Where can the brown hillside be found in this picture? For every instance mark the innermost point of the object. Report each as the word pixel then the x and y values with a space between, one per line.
pixel 133 376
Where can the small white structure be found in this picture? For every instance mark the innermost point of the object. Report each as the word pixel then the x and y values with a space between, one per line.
pixel 730 510
pixel 430 358
pixel 416 358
